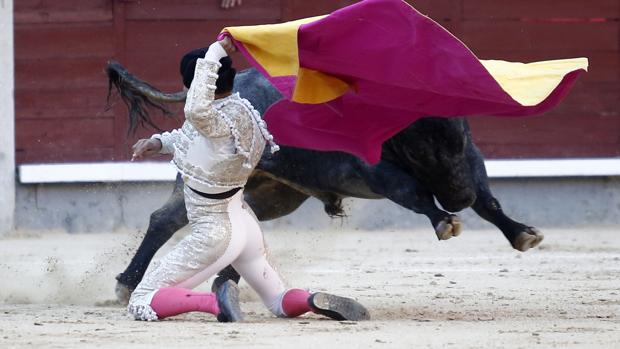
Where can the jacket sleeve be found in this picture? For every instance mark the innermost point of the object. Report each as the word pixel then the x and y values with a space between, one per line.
pixel 168 139
pixel 199 110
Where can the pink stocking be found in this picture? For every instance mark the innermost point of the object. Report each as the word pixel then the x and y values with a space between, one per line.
pixel 295 302
pixel 172 301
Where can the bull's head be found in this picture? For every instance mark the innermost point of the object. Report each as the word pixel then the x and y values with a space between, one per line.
pixel 435 150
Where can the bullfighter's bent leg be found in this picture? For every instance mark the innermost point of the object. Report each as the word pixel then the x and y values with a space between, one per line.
pixel 268 199
pixel 256 270
pixel 163 224
pixel 212 245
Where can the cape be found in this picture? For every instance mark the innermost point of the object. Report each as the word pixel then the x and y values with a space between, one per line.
pixel 356 77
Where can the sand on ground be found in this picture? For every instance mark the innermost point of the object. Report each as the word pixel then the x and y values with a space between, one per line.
pixel 472 291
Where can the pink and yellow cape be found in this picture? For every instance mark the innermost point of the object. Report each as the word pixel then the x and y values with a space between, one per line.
pixel 356 77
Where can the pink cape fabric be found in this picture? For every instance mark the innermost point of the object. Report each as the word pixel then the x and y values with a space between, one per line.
pixel 403 66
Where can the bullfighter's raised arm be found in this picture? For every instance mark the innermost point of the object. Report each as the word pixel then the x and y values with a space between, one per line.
pixel 199 109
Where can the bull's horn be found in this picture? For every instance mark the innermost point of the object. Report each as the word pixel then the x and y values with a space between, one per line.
pixel 139 96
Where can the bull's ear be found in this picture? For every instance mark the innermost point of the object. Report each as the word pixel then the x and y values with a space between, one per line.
pixel 138 96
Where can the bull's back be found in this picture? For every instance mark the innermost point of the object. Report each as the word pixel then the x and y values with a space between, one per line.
pixel 333 172
pixel 254 87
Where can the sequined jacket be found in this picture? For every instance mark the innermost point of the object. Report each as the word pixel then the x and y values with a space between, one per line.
pixel 221 141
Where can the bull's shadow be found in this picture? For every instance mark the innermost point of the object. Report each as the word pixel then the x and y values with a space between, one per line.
pixel 434 158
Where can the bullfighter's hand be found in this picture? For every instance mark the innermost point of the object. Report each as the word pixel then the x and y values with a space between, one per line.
pixel 145 148
pixel 228 45
pixel 226 4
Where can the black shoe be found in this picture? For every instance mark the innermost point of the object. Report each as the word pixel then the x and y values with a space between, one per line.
pixel 228 273
pixel 227 295
pixel 217 282
pixel 337 308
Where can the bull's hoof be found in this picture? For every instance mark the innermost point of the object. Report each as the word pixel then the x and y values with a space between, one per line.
pixel 123 292
pixel 448 227
pixel 527 239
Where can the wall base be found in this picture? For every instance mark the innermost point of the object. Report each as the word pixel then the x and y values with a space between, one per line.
pixel 552 203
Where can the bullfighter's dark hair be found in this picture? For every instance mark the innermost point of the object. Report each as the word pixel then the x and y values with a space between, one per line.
pixel 226 73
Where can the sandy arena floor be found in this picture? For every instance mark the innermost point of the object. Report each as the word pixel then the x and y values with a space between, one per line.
pixel 473 291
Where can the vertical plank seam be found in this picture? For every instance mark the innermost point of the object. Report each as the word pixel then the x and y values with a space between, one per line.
pixel 119 132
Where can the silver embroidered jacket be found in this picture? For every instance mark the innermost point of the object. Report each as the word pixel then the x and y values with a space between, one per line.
pixel 221 140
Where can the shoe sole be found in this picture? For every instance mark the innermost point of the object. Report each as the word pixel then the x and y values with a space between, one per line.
pixel 228 301
pixel 338 308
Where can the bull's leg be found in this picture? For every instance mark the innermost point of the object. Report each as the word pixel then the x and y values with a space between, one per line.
pixel 163 224
pixel 522 237
pixel 393 183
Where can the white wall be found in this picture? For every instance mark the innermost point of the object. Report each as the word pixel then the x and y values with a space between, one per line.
pixel 7 119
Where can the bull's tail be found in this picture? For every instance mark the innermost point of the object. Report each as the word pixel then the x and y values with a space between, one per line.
pixel 139 96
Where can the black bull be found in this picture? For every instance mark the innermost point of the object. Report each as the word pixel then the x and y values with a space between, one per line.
pixel 434 158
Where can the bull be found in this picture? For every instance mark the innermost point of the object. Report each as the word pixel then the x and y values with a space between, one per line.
pixel 433 158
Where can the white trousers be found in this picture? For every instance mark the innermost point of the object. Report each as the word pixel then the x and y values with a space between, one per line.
pixel 223 232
